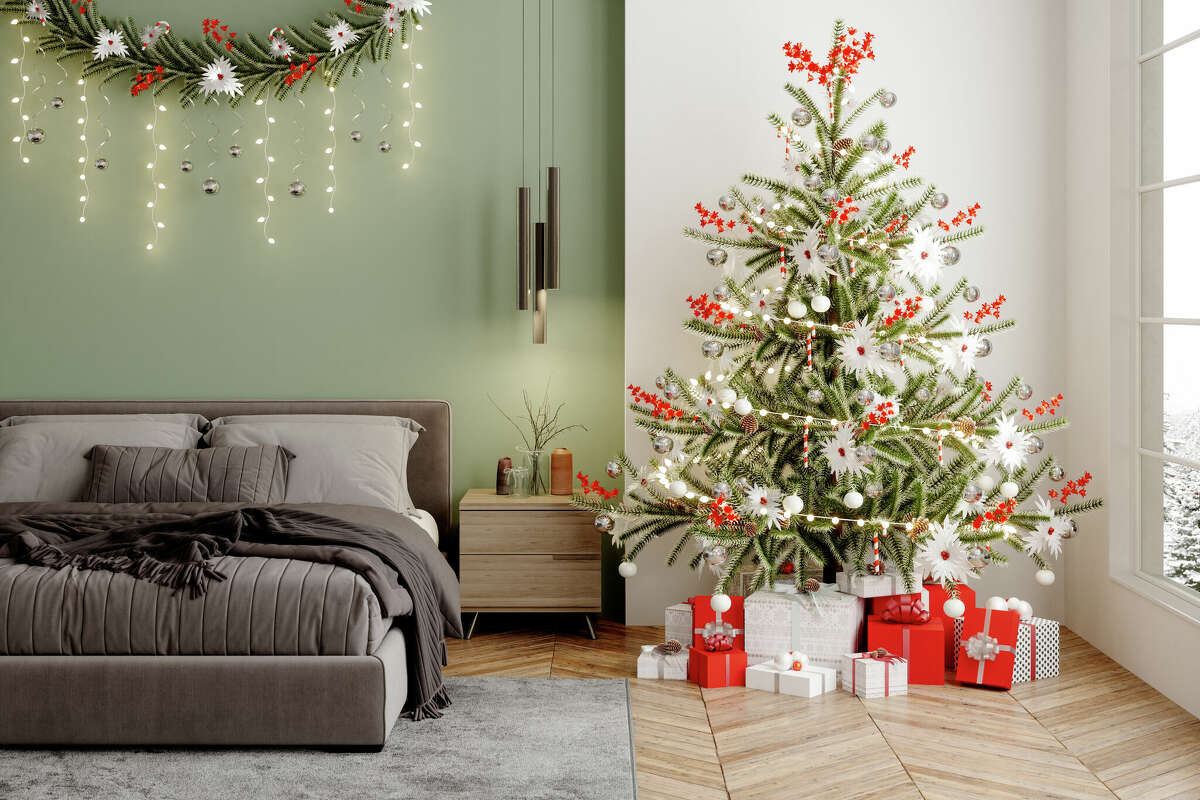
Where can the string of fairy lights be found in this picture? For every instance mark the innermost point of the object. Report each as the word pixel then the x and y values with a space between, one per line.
pixel 331 150
pixel 265 179
pixel 156 185
pixel 19 100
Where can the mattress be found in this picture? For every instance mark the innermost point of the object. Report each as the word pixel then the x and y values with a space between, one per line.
pixel 267 606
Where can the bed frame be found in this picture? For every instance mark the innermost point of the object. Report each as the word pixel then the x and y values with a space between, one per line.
pixel 332 702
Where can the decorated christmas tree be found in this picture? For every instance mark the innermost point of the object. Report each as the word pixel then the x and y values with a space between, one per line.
pixel 844 422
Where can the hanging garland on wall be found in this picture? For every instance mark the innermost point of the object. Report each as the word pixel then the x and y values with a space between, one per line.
pixel 222 64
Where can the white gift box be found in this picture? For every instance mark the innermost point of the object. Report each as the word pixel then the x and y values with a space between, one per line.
pixel 807 682
pixel 1037 650
pixel 679 623
pixel 885 585
pixel 660 666
pixel 872 677
pixel 822 625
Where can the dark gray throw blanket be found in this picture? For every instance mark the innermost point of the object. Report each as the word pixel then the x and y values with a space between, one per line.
pixel 175 550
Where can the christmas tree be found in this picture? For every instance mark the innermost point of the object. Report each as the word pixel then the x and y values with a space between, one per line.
pixel 844 422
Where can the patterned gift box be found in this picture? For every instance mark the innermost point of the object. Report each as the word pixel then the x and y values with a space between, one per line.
pixel 937 598
pixel 873 675
pixel 919 643
pixel 717 670
pixel 679 622
pixel 705 621
pixel 872 585
pixel 661 666
pixel 807 682
pixel 987 647
pixel 877 606
pixel 1037 650
pixel 822 625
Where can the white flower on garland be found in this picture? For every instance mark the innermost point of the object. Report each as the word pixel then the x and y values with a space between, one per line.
pixel 420 6
pixel 804 253
pixel 1046 539
pixel 957 355
pixel 390 18
pixel 762 501
pixel 858 351
pixel 838 451
pixel 942 556
pixel 220 78
pixel 969 510
pixel 921 258
pixel 1007 447
pixel 37 10
pixel 152 33
pixel 108 43
pixel 707 403
pixel 281 49
pixel 340 36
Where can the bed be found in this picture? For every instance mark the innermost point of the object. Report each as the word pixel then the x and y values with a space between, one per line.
pixel 283 650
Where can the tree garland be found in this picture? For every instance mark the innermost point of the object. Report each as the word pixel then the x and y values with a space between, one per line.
pixel 221 63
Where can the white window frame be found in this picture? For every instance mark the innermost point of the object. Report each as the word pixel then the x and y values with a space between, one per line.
pixel 1127 546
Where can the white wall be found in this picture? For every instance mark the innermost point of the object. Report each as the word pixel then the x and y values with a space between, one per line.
pixel 981 96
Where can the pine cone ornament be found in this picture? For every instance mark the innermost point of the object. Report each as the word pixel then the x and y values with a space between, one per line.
pixel 843 144
pixel 749 528
pixel 749 424
pixel 919 526
pixel 812 585
pixel 965 426
pixel 669 647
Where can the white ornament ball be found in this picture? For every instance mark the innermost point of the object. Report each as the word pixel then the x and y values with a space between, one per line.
pixel 726 395
pixel 820 303
pixel 627 569
pixel 985 482
pixel 1044 576
pixel 996 604
pixel 1025 609
pixel 1009 489
pixel 793 504
pixel 1013 603
pixel 796 309
pixel 852 499
pixel 954 608
pixel 677 488
pixel 720 603
pixel 742 406
pixel 783 660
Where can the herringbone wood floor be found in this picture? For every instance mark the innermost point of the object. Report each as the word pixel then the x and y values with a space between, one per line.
pixel 1095 731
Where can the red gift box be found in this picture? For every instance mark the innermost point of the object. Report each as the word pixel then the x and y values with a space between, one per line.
pixel 988 648
pixel 906 608
pixel 716 670
pixel 707 622
pixel 937 598
pixel 920 643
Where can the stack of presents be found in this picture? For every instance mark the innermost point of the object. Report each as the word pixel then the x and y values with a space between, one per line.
pixel 864 633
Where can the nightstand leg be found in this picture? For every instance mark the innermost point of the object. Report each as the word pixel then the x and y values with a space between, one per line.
pixel 471 626
pixel 591 631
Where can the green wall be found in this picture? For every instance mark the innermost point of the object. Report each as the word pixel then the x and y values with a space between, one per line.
pixel 406 292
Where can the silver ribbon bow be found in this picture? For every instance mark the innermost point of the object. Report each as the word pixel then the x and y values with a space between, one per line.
pixel 982 647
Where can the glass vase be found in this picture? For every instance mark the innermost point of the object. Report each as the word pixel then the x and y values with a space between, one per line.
pixel 517 481
pixel 539 472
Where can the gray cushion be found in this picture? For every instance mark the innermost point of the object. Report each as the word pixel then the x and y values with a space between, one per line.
pixel 349 419
pixel 193 420
pixel 166 475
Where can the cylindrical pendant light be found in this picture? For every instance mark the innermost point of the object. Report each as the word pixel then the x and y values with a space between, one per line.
pixel 523 248
pixel 552 228
pixel 539 296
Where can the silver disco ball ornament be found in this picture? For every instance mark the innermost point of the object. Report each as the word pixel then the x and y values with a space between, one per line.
pixel 865 454
pixel 874 490
pixel 939 200
pixel 722 489
pixel 816 396
pixel 385 146
pixel 971 294
pixel 886 293
pixel 716 257
pixel 712 349
pixel 604 523
pixel 865 397
pixel 185 166
pixel 890 351
pixel 296 188
pixel 829 197
pixel 923 395
pixel 978 557
pixel 887 99
pixel 721 293
pixel 101 163
pixel 660 381
pixel 1035 446
pixel 1024 391
pixel 671 390
pixel 984 349
pixel 1057 473
pixel 234 151
pixel 356 136
pixel 801 116
pixel 662 444
pixel 971 493
pixel 812 182
pixel 869 141
pixel 56 102
pixel 726 202
pixel 884 146
pixel 210 186
pixel 612 469
pixel 1069 528
pixel 827 253
pixel 35 135
pixel 950 256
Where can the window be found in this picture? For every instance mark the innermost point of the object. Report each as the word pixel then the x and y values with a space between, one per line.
pixel 1167 294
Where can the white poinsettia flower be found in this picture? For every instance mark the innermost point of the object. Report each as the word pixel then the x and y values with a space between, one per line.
pixel 220 77
pixel 858 351
pixel 957 355
pixel 152 33
pixel 340 36
pixel 37 10
pixel 421 7
pixel 1007 447
pixel 761 501
pixel 839 452
pixel 1046 540
pixel 969 510
pixel 108 43
pixel 943 556
pixel 390 18
pixel 281 49
pixel 804 253
pixel 921 258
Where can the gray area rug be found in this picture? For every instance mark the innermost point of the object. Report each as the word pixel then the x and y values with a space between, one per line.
pixel 502 738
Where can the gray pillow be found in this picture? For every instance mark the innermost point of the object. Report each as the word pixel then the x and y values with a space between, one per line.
pixel 167 475
pixel 193 420
pixel 349 419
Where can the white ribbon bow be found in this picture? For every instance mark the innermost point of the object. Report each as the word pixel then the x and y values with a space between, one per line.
pixel 982 647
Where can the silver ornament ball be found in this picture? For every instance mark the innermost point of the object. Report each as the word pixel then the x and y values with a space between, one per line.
pixel 1069 528
pixel 712 349
pixel 890 351
pixel 801 116
pixel 1035 446
pixel 884 146
pixel 35 135
pixel 887 99
pixel 1057 473
pixel 984 349
pixel 185 166
pixel 356 136
pixel 829 197
pixel 971 294
pixel 56 102
pixel 101 163
pixel 816 396
pixel 950 256
pixel 1024 391
pixel 865 397
pixel 721 293
pixel 604 523
pixel 939 200
pixel 660 381
pixel 726 202
pixel 971 493
pixel 716 257
pixel 827 253
pixel 612 469
pixel 385 146
pixel 662 444
pixel 234 151
pixel 210 186
pixel 874 490
pixel 869 141
pixel 812 182
pixel 742 484
pixel 296 188
pixel 722 489
pixel 865 454
pixel 671 390
pixel 923 395
pixel 886 293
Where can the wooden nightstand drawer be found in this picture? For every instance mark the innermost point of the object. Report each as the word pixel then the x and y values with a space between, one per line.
pixel 541 582
pixel 561 532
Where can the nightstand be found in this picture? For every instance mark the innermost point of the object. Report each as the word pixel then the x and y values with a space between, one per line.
pixel 527 554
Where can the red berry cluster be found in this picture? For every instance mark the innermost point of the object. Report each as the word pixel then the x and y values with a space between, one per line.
pixel 1072 487
pixel 662 408
pixel 713 218
pixel 964 217
pixel 908 310
pixel 299 68
pixel 987 391
pixel 1045 407
pixel 841 211
pixel 357 6
pixel 82 5
pixel 846 54
pixel 595 487
pixel 898 225
pixel 142 82
pixel 721 514
pixel 902 159
pixel 709 310
pixel 997 515
pixel 985 310
pixel 219 32
pixel 880 415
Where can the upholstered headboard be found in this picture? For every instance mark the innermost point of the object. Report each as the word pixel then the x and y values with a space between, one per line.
pixel 428 463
